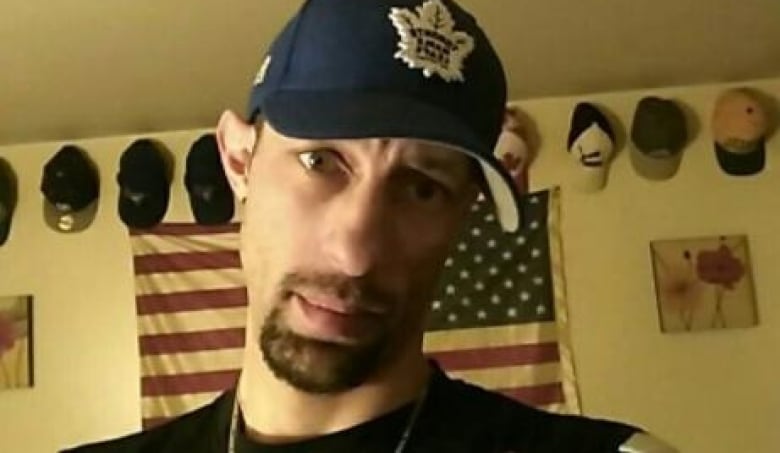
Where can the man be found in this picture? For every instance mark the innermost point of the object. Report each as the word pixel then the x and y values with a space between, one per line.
pixel 370 133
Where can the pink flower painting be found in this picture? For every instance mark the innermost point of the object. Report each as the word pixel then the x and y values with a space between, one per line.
pixel 7 333
pixel 703 283
pixel 15 328
pixel 720 267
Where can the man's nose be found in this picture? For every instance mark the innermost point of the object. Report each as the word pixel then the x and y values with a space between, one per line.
pixel 357 230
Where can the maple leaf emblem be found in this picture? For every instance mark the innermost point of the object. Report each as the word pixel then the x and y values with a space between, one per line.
pixel 429 41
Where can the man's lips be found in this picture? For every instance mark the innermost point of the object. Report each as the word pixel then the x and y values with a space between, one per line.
pixel 330 318
pixel 338 305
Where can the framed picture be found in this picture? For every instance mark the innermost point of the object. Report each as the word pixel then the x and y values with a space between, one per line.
pixel 704 283
pixel 16 364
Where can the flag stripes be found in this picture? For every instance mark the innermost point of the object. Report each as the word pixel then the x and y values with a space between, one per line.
pixel 186 301
pixel 191 341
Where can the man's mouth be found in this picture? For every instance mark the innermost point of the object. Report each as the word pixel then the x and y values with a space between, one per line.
pixel 331 318
pixel 348 307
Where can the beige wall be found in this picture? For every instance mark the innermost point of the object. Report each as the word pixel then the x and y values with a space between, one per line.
pixel 86 367
pixel 708 392
pixel 714 392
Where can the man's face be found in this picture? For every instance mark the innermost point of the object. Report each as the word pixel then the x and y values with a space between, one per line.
pixel 342 245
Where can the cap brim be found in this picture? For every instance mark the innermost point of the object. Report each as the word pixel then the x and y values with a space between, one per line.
pixel 215 212
pixel 328 115
pixel 655 168
pixel 5 230
pixel 145 215
pixel 742 164
pixel 69 222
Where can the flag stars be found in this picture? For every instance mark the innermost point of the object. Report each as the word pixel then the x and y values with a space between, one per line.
pixel 490 218
pixel 491 244
pixel 449 262
pixel 508 284
pixel 521 240
pixel 478 259
pixel 538 281
pixel 482 314
pixel 534 200
pixel 512 312
pixel 452 317
pixel 476 232
pixel 525 296
pixel 534 225
pixel 495 299
pixel 479 286
pixel 507 256
pixel 493 270
pixel 436 305
pixel 465 302
pixel 475 207
pixel 536 253
pixel 541 310
pixel 464 275
pixel 522 268
pixel 463 247
pixel 450 289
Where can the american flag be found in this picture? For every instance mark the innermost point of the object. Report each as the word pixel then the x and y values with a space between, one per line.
pixel 494 322
pixel 191 305
pixel 498 320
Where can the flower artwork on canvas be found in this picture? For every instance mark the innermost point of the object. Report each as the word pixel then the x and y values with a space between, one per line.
pixel 703 283
pixel 15 342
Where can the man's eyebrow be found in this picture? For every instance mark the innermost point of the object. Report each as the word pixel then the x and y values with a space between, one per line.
pixel 448 165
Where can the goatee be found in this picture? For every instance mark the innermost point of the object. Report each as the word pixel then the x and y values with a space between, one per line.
pixel 316 366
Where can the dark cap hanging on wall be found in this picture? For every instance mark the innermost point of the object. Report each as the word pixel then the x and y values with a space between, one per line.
pixel 8 194
pixel 740 125
pixel 659 134
pixel 144 184
pixel 71 187
pixel 421 69
pixel 211 198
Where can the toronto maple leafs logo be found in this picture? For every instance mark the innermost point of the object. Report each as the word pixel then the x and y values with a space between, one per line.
pixel 429 40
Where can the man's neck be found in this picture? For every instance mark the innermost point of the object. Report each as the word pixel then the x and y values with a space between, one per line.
pixel 275 412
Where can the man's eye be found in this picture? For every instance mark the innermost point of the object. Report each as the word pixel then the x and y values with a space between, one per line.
pixel 319 160
pixel 425 189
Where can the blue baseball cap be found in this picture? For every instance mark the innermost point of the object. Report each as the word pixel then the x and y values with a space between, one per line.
pixel 70 185
pixel 390 68
pixel 8 196
pixel 144 180
pixel 211 199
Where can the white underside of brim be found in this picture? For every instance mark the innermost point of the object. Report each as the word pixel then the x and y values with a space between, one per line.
pixel 506 207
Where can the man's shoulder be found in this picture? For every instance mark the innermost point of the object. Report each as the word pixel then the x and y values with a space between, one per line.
pixel 193 432
pixel 491 417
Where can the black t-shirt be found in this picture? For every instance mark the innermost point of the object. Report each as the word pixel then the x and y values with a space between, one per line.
pixel 456 417
pixel 378 435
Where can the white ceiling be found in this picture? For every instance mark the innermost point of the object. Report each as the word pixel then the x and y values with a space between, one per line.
pixel 79 68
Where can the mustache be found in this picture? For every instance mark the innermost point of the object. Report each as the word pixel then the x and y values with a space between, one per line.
pixel 359 293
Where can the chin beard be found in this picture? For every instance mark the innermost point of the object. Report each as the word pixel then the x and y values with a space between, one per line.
pixel 315 366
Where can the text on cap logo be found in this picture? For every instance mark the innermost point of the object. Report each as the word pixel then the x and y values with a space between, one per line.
pixel 429 41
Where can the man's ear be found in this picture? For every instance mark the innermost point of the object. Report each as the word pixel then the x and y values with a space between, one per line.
pixel 236 140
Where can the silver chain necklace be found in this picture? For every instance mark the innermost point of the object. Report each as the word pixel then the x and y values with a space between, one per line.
pixel 399 448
